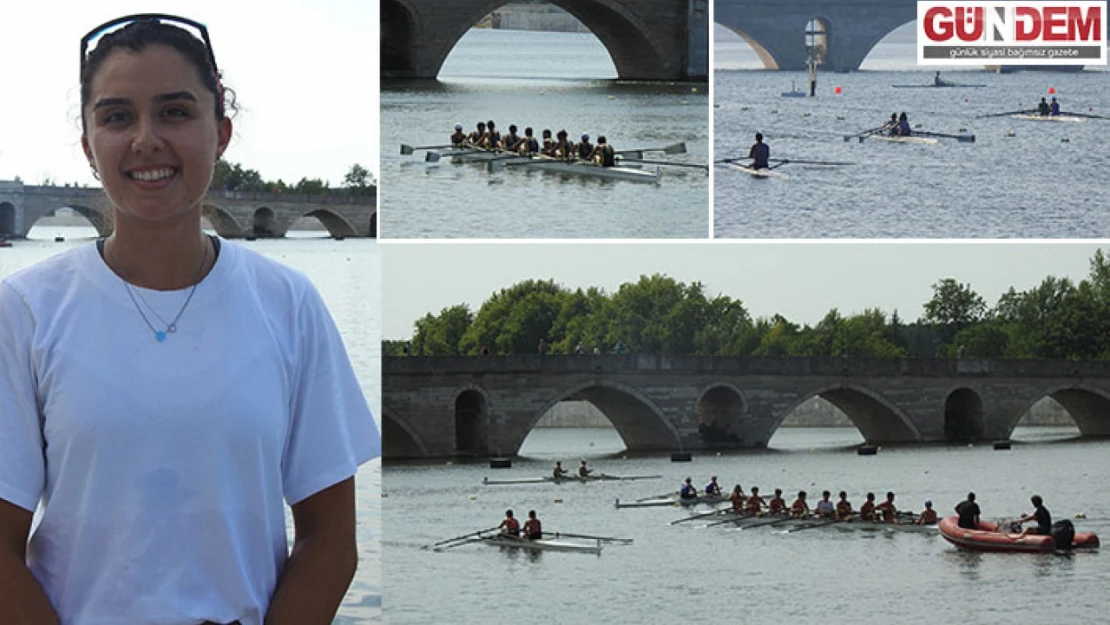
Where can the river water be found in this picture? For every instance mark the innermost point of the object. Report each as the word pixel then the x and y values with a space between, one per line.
pixel 689 573
pixel 347 274
pixel 1020 178
pixel 544 80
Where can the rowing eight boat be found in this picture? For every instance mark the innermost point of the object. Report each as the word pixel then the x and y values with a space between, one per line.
pixel 549 164
pixel 571 478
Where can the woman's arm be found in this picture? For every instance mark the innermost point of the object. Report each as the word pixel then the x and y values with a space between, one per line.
pixel 324 559
pixel 21 594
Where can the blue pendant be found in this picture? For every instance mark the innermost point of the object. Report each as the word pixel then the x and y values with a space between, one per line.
pixel 160 335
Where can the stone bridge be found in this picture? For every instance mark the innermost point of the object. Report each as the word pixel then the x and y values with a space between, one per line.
pixel 777 28
pixel 233 214
pixel 478 406
pixel 647 39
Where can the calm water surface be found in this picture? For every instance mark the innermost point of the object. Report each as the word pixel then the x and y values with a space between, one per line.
pixel 347 275
pixel 544 80
pixel 695 573
pixel 1019 178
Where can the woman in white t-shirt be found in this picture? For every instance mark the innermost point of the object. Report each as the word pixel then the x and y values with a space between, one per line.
pixel 163 393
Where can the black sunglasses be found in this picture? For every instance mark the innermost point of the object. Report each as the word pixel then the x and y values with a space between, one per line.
pixel 154 17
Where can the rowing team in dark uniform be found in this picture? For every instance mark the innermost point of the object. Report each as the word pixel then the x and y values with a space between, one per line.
pixel 1044 109
pixel 487 137
pixel 897 125
pixel 884 512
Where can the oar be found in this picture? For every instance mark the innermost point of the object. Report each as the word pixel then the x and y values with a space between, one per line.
pixel 463 537
pixel 1088 116
pixel 639 160
pixel 961 138
pixel 674 148
pixel 627 541
pixel 433 157
pixel 460 543
pixel 804 162
pixel 739 517
pixel 715 512
pixel 1023 112
pixel 777 520
pixel 860 135
pixel 408 149
pixel 673 492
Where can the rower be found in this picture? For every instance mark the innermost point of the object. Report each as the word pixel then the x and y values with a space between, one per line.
pixel 777 504
pixel 969 513
pixel 509 526
pixel 1043 108
pixel 687 491
pixel 760 153
pixel 1041 515
pixel 1054 108
pixel 713 488
pixel 825 507
pixel 582 470
pixel 603 153
pixel 563 148
pixel 843 507
pixel 559 472
pixel 754 503
pixel 904 125
pixel 737 498
pixel 511 140
pixel 584 150
pixel 889 512
pixel 937 81
pixel 928 515
pixel 867 510
pixel 548 143
pixel 493 138
pixel 800 508
pixel 528 143
pixel 459 137
pixel 891 125
pixel 533 529
pixel 475 137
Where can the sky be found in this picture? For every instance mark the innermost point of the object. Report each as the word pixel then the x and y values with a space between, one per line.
pixel 800 280
pixel 306 77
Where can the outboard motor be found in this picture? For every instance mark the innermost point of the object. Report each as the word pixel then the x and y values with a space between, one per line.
pixel 1063 533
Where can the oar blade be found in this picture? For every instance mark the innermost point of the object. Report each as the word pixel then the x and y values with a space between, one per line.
pixel 966 138
pixel 406 149
pixel 677 148
pixel 431 157
pixel 494 166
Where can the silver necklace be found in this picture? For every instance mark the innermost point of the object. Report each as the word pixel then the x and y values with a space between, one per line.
pixel 171 327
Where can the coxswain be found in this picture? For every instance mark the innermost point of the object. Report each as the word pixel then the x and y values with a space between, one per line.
pixel 928 515
pixel 509 526
pixel 777 505
pixel 559 472
pixel 760 153
pixel 1054 108
pixel 867 510
pixel 969 512
pixel 1041 515
pixel 687 490
pixel 511 140
pixel 533 529
pixel 887 509
pixel 904 125
pixel 475 137
pixel 603 153
pixel 459 137
pixel 713 488
pixel 754 503
pixel 825 508
pixel 737 498
pixel 584 150
pixel 548 143
pixel 1043 108
pixel 800 508
pixel 843 507
pixel 582 470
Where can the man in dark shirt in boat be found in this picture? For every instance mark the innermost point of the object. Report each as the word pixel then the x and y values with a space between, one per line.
pixel 559 472
pixel 548 143
pixel 1054 108
pixel 528 143
pixel 1041 515
pixel 603 153
pixel 511 140
pixel 867 510
pixel 760 153
pixel 492 140
pixel 843 507
pixel 890 126
pixel 509 526
pixel 475 137
pixel 582 470
pixel 938 82
pixel 713 488
pixel 969 513
pixel 584 149
pixel 777 505
pixel 904 125
pixel 533 529
pixel 459 137
pixel 687 490
pixel 1043 108
pixel 563 147
pixel 887 510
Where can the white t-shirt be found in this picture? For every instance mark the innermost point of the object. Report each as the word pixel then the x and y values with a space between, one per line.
pixel 162 467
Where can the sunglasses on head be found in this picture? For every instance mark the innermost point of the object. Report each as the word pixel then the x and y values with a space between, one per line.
pixel 107 27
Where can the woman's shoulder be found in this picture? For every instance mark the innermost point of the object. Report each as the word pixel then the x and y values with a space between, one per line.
pixel 265 273
pixel 50 274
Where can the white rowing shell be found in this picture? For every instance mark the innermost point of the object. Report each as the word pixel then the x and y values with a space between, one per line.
pixel 760 173
pixel 901 139
pixel 1049 118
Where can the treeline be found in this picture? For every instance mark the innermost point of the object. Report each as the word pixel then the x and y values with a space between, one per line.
pixel 234 177
pixel 657 314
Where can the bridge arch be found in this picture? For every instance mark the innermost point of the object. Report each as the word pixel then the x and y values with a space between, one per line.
pixel 471 409
pixel 964 419
pixel 1088 407
pixel 719 406
pixel 637 419
pixel 398 34
pixel 7 219
pixel 262 222
pixel 399 439
pixel 765 56
pixel 224 222
pixel 876 417
pixel 336 225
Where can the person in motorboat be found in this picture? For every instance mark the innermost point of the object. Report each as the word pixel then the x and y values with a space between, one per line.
pixel 458 138
pixel 584 149
pixel 760 153
pixel 528 144
pixel 559 472
pixel 890 126
pixel 603 153
pixel 687 490
pixel 887 510
pixel 904 125
pixel 509 525
pixel 867 510
pixel 777 505
pixel 737 498
pixel 928 515
pixel 713 488
pixel 476 136
pixel 843 507
pixel 968 512
pixel 511 140
pixel 754 503
pixel 533 529
pixel 825 508
pixel 1054 108
pixel 583 471
pixel 1043 108
pixel 1041 515
pixel 800 508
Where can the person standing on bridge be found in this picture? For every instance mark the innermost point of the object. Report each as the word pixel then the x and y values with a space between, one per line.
pixel 760 153
pixel 164 393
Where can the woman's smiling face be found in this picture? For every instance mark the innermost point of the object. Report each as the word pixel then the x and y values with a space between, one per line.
pixel 151 133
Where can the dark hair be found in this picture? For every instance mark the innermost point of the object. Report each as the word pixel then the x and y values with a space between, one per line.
pixel 1036 499
pixel 508 513
pixel 138 36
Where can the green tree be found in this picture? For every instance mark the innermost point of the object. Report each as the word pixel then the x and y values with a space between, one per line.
pixel 441 335
pixel 359 181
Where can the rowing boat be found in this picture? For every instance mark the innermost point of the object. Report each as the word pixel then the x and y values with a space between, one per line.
pixel 940 86
pixel 762 172
pixel 851 525
pixel 903 139
pixel 672 501
pixel 571 478
pixel 554 165
pixel 1048 118
pixel 541 544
